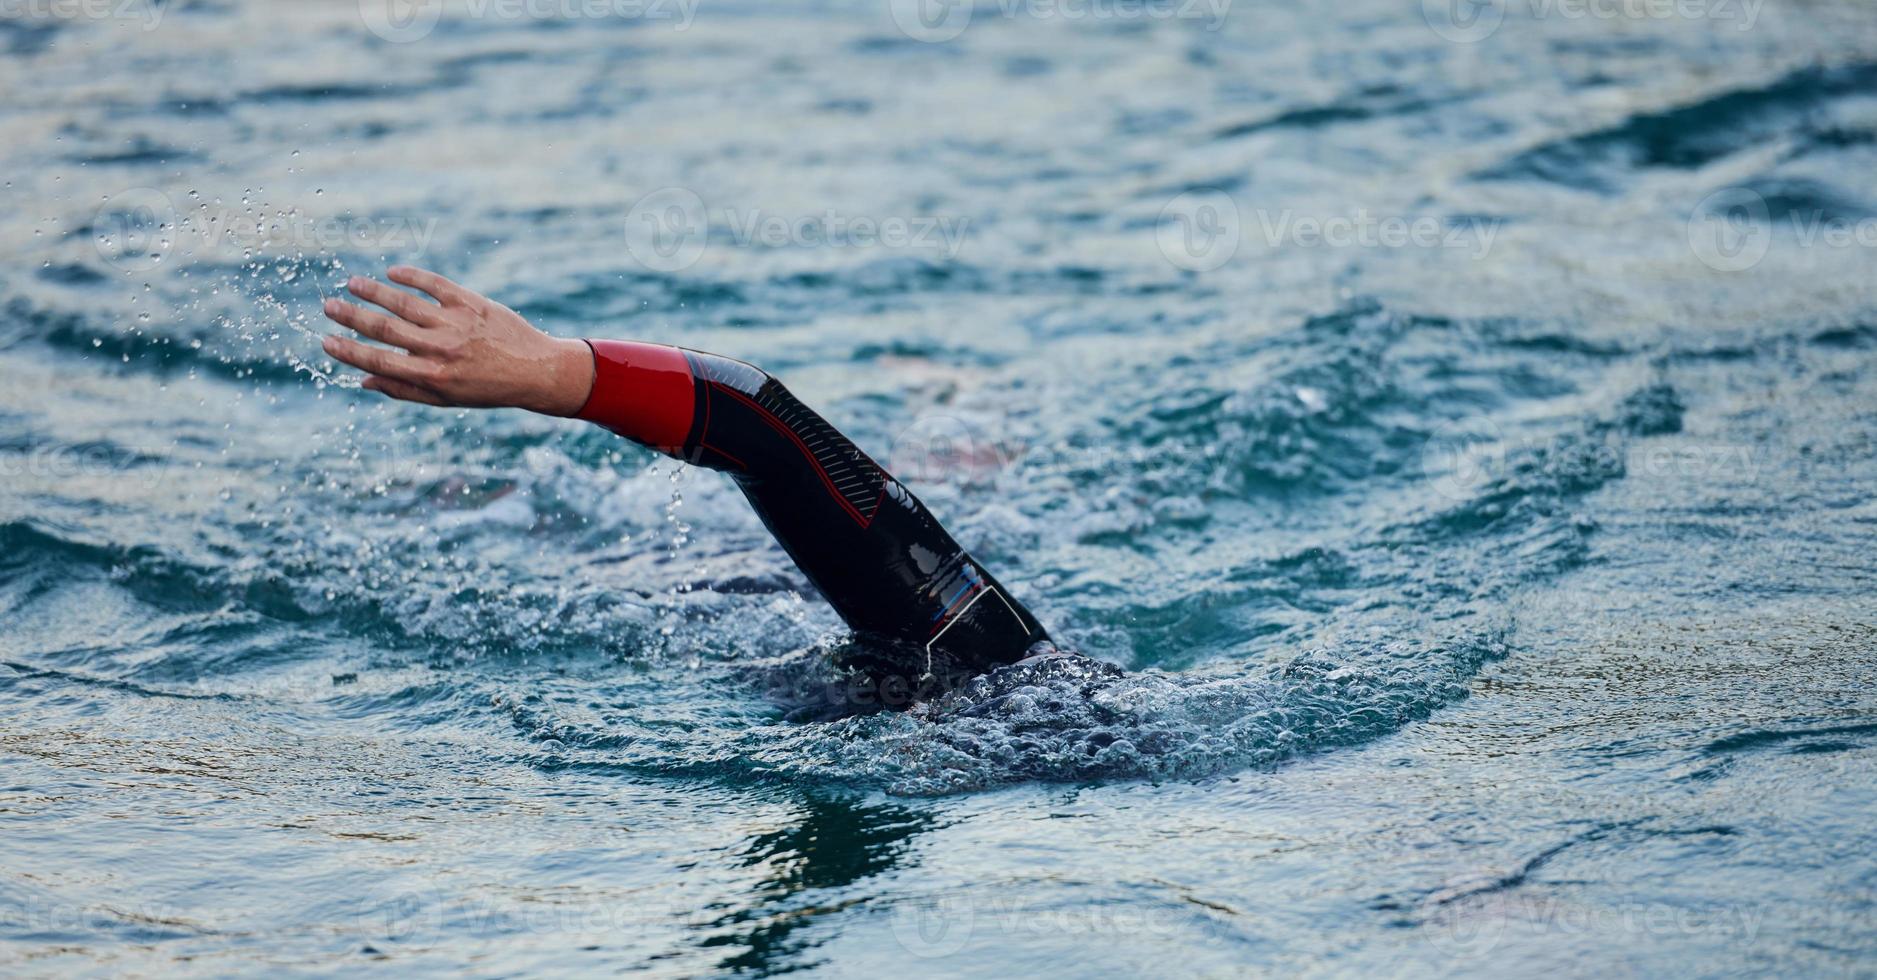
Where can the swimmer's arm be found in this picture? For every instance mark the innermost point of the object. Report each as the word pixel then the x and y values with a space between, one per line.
pixel 463 350
pixel 879 556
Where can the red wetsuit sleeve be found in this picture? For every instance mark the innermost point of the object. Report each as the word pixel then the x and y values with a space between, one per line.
pixel 642 392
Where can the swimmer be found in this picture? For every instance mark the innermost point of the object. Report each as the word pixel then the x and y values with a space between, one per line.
pixel 917 603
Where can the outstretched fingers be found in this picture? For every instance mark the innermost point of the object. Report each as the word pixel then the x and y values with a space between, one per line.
pixel 385 329
pixel 393 364
pixel 407 307
pixel 427 331
pixel 445 291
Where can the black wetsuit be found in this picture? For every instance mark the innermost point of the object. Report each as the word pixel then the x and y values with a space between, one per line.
pixel 919 605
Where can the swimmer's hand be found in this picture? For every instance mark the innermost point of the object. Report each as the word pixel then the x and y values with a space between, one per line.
pixel 464 350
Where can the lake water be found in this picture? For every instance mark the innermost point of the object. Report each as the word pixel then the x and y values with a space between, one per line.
pixel 1459 428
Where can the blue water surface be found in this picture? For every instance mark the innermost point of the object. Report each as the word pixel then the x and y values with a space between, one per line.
pixel 1459 429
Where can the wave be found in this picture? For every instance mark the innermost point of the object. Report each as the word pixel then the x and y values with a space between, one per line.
pixel 1689 136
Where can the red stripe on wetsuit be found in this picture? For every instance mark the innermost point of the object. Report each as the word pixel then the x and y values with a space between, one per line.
pixel 642 392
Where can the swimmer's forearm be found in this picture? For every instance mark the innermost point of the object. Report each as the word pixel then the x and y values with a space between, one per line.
pixel 464 350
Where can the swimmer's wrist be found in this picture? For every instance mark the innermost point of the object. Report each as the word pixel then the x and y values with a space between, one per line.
pixel 567 382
